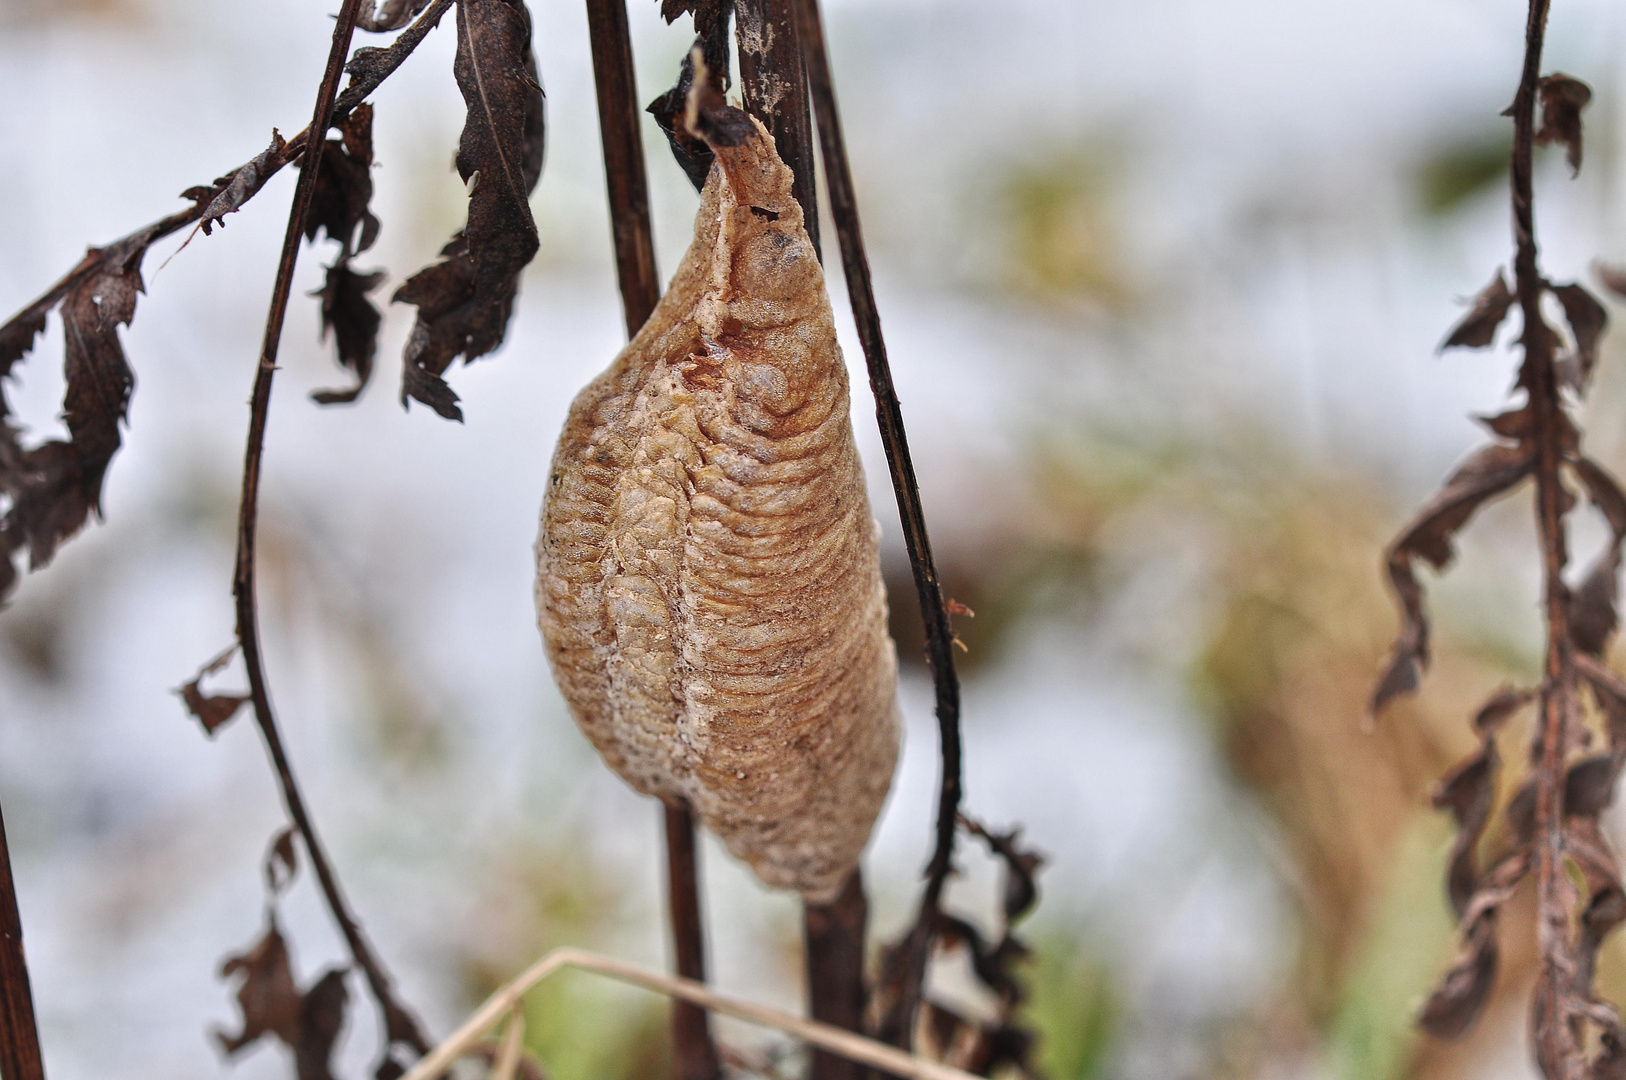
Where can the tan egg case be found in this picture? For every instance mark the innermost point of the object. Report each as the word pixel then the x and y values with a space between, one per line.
pixel 708 576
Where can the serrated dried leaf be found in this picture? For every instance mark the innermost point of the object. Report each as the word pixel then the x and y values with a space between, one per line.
pixel 707 61
pixel 1478 328
pixel 1469 790
pixel 213 711
pixel 1490 472
pixel 391 15
pixel 1454 1006
pixel 354 323
pixel 464 300
pixel 1593 606
pixel 344 186
pixel 1588 320
pixel 321 1020
pixel 281 861
pixel 54 488
pixel 245 183
pixel 267 996
pixel 1562 99
pixel 1021 889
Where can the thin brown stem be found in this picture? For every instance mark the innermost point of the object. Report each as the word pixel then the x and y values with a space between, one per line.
pixel 624 174
pixel 362 84
pixel 399 1025
pixel 20 1057
pixel 696 1053
pixel 833 936
pixel 889 415
pixel 1557 1049
pixel 773 82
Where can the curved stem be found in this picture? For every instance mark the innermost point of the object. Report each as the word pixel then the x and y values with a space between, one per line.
pixel 400 1026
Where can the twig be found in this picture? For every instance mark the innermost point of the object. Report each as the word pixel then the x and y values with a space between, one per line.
pixel 773 82
pixel 1558 686
pixel 19 1035
pixel 624 174
pixel 618 118
pixel 399 1025
pixel 366 80
pixel 695 1050
pixel 823 1036
pixel 833 936
pixel 939 633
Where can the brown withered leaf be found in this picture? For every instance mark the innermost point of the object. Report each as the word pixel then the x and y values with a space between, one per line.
pixel 213 711
pixel 1490 472
pixel 1454 1006
pixel 55 487
pixel 1593 606
pixel 1562 99
pixel 1021 889
pixel 245 183
pixel 353 321
pixel 1468 792
pixel 464 300
pixel 1478 328
pixel 1587 320
pixel 391 15
pixel 269 1000
pixel 321 1019
pixel 710 49
pixel 1613 278
pixel 344 186
pixel 1514 425
pixel 281 861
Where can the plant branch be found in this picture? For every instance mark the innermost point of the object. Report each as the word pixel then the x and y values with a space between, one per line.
pixel 19 1034
pixel 833 941
pixel 889 414
pixel 832 1039
pixel 381 64
pixel 773 82
pixel 400 1026
pixel 618 117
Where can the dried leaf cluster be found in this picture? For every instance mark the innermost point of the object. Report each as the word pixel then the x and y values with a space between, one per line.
pixel 1550 822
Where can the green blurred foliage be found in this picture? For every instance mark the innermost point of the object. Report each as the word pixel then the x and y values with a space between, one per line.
pixel 1461 171
pixel 1075 1006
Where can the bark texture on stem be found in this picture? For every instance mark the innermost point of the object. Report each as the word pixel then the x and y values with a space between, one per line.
pixel 834 941
pixel 20 1057
pixel 773 82
pixel 696 1053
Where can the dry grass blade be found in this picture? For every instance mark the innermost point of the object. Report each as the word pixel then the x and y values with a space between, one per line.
pixel 831 1039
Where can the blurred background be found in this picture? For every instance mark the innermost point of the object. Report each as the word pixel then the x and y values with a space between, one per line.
pixel 1162 284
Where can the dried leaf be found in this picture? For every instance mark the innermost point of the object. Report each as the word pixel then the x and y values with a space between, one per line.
pixel 321 1019
pixel 1593 606
pixel 354 322
pixel 1454 1006
pixel 1515 425
pixel 1587 320
pixel 464 300
pixel 245 183
pixel 212 711
pixel 281 862
pixel 344 186
pixel 1021 890
pixel 1562 99
pixel 710 52
pixel 393 15
pixel 1613 278
pixel 55 487
pixel 1490 472
pixel 1478 328
pixel 269 1000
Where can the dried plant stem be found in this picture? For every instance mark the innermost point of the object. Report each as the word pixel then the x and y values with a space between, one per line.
pixel 19 1034
pixel 361 87
pixel 833 936
pixel 889 414
pixel 834 1040
pixel 400 1025
pixel 773 82
pixel 624 173
pixel 695 1051
pixel 1558 685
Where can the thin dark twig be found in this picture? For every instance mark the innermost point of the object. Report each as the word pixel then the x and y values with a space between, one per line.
pixel 19 1035
pixel 400 1025
pixel 384 63
pixel 624 173
pixel 773 82
pixel 696 1052
pixel 939 632
pixel 1558 686
pixel 833 941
